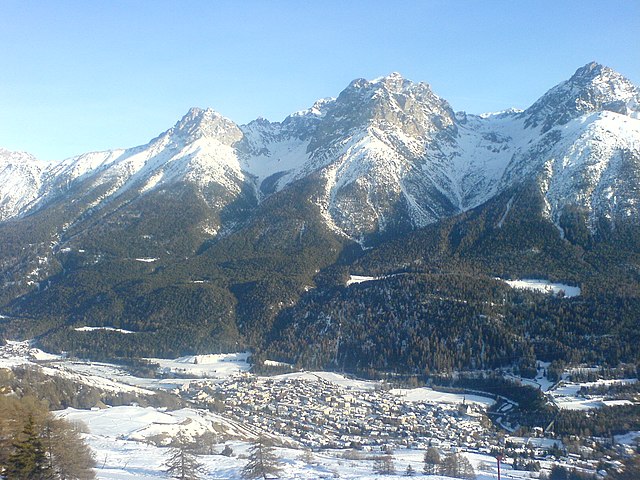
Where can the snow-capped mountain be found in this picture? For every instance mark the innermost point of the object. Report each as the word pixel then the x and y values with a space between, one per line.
pixel 593 88
pixel 386 155
pixel 21 177
pixel 586 151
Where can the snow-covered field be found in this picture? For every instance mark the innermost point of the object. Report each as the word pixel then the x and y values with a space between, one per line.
pixel 19 353
pixel 330 377
pixel 211 366
pixel 630 438
pixel 140 424
pixel 429 395
pixel 565 395
pixel 119 437
pixel 544 286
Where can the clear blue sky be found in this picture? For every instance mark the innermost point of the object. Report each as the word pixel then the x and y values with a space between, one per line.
pixel 89 75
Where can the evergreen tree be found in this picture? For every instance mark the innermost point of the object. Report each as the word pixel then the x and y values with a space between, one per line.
pixel 182 463
pixel 44 447
pixel 263 462
pixel 559 473
pixel 409 472
pixel 28 460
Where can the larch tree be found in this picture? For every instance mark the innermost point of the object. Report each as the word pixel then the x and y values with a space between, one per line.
pixel 28 460
pixel 263 462
pixel 384 465
pixel 182 463
pixel 457 466
pixel 68 456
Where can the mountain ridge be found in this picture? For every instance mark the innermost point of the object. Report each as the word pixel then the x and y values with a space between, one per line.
pixel 390 145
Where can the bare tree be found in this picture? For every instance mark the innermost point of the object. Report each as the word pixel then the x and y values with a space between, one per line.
pixel 384 465
pixel 69 457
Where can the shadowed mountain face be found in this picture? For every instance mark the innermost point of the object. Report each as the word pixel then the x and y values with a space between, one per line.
pixel 206 237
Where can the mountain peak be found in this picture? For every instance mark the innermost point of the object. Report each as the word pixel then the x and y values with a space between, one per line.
pixel 589 71
pixel 206 123
pixel 197 115
pixel 592 88
pixel 394 82
pixel 603 78
pixel 394 79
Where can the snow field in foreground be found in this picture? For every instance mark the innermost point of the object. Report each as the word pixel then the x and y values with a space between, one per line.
pixel 117 437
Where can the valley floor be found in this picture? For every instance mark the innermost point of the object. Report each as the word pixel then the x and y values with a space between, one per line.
pixel 326 425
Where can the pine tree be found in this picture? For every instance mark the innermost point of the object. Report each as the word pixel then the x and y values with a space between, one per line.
pixel 263 462
pixel 182 463
pixel 28 460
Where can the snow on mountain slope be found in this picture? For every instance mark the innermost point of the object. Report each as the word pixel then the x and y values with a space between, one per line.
pixel 596 167
pixel 199 149
pixel 372 147
pixel 483 149
pixel 272 153
pixel 583 147
pixel 592 88
pixel 20 182
pixel 391 155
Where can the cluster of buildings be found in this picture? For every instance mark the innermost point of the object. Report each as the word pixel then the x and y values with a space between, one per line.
pixel 322 414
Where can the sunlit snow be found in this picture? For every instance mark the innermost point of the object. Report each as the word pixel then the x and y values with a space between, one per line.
pixel 106 329
pixel 545 286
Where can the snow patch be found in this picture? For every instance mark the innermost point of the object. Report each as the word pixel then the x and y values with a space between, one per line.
pixel 274 363
pixel 353 279
pixel 330 377
pixel 566 396
pixel 506 212
pixel 544 286
pixel 107 329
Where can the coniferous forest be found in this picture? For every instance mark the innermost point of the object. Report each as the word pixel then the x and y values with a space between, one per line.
pixel 280 290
